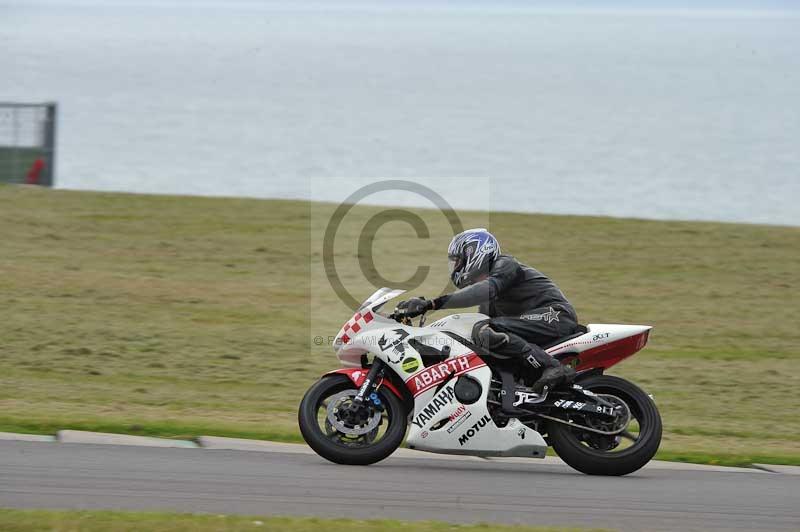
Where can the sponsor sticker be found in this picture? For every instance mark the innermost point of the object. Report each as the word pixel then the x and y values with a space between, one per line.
pixel 576 405
pixel 432 375
pixel 525 397
pixel 550 316
pixel 473 430
pixel 441 399
pixel 394 346
pixel 458 418
pixel 410 365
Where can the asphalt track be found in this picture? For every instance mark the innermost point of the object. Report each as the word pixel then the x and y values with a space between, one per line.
pixel 84 476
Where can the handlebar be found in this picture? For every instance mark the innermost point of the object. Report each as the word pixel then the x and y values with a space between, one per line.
pixel 400 316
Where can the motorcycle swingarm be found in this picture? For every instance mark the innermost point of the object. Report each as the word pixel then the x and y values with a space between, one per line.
pixel 550 400
pixel 575 400
pixel 568 403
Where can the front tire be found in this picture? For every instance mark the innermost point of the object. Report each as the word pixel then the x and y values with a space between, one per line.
pixel 333 445
pixel 595 455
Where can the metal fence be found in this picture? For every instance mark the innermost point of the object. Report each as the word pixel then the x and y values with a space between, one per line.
pixel 27 143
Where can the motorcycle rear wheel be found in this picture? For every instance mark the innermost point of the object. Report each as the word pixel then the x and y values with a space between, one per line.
pixel 373 445
pixel 578 449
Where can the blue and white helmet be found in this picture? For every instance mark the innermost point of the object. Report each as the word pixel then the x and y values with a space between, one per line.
pixel 471 255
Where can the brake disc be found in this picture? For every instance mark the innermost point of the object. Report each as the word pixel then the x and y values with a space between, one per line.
pixel 340 401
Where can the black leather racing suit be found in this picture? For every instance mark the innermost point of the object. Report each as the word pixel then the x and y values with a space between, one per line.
pixel 526 309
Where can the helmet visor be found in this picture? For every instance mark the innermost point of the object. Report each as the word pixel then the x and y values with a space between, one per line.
pixel 453 264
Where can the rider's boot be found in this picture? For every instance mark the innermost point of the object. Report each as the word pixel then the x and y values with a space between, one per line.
pixel 554 372
pixel 554 376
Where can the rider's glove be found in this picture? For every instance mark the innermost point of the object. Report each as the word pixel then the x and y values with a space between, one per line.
pixel 415 306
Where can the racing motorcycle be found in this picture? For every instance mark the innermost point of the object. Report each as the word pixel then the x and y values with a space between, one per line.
pixel 454 397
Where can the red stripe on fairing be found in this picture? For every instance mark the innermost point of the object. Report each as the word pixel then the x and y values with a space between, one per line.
pixel 358 376
pixel 606 355
pixel 418 383
pixel 557 348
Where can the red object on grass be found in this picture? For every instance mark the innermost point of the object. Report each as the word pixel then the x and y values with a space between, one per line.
pixel 35 172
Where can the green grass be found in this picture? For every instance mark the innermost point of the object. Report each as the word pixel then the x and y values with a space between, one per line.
pixel 179 316
pixel 107 521
pixel 727 459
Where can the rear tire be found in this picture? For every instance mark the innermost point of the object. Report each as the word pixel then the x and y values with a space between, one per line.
pixel 568 445
pixel 336 452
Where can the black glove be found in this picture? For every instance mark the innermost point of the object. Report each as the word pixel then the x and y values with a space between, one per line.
pixel 414 307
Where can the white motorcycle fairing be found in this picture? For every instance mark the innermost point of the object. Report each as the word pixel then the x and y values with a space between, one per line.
pixel 439 423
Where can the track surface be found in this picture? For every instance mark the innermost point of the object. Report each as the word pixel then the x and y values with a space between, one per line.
pixel 47 475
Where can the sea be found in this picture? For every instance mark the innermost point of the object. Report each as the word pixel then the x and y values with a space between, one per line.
pixel 658 110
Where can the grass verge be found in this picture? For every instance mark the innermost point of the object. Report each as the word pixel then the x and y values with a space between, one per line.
pixel 104 521
pixel 180 316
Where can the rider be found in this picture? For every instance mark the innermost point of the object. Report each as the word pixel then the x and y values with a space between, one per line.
pixel 525 307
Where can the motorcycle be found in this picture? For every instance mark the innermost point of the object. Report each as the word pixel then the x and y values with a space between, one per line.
pixel 454 397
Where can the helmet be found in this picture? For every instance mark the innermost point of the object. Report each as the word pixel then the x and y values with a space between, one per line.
pixel 471 255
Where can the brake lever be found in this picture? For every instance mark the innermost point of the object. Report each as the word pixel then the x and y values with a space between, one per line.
pixel 401 317
pixel 398 316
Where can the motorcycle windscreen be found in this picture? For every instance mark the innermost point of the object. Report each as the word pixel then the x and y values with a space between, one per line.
pixel 379 298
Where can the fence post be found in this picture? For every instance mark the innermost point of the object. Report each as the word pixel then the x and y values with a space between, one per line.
pixel 50 144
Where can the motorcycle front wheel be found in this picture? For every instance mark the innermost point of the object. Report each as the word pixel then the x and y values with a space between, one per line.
pixel 613 455
pixel 345 433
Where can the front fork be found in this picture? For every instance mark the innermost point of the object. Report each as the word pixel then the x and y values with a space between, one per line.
pixel 374 376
